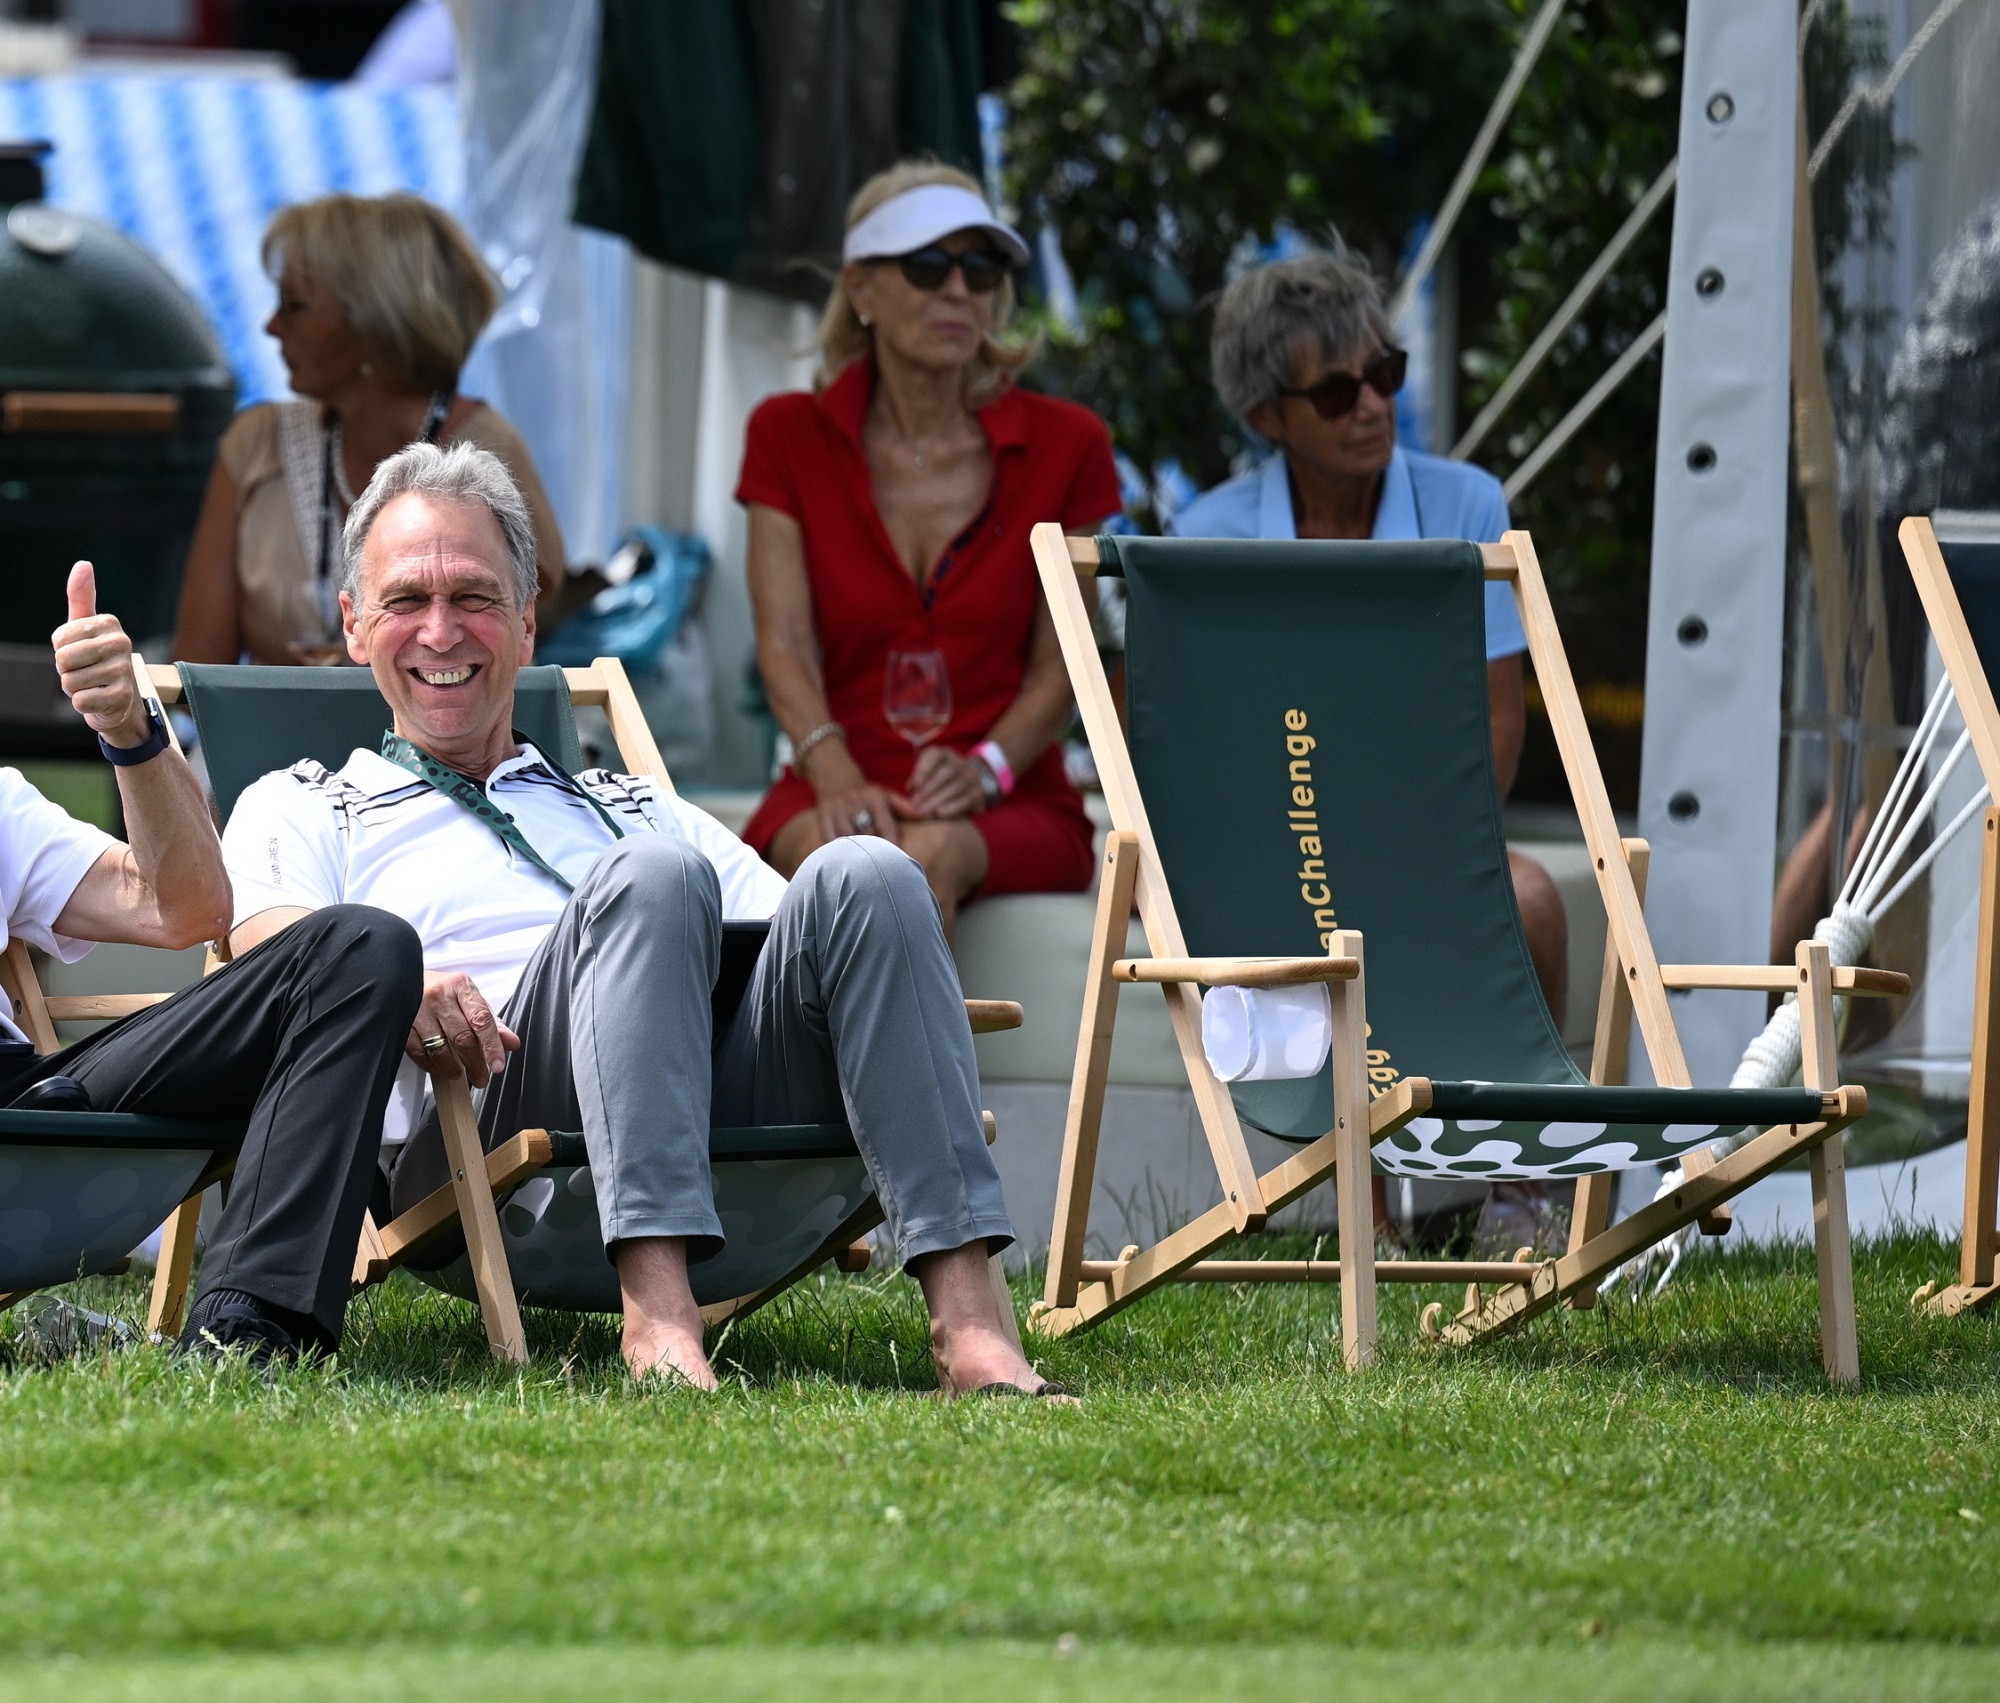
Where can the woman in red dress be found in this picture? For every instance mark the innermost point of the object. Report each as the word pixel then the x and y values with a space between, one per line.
pixel 889 511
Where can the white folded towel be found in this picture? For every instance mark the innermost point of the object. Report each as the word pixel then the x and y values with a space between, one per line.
pixel 1267 1034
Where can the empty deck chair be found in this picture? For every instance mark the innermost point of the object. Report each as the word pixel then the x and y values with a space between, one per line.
pixel 790 1197
pixel 1309 768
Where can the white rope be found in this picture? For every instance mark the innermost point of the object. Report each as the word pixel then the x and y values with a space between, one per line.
pixel 1578 298
pixel 1880 94
pixel 1977 802
pixel 1575 420
pixel 1475 160
pixel 1917 818
pixel 1915 757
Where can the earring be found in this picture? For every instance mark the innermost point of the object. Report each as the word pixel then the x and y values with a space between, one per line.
pixel 866 322
pixel 367 369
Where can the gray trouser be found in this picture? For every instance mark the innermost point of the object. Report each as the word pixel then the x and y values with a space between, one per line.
pixel 854 1012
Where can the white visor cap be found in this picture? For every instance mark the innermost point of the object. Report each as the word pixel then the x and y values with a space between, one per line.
pixel 918 217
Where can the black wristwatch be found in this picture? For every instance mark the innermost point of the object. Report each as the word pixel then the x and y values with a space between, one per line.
pixel 131 756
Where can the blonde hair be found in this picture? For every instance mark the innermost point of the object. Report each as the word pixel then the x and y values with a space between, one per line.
pixel 403 272
pixel 843 339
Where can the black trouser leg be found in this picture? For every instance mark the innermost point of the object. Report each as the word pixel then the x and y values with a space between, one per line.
pixel 300 1038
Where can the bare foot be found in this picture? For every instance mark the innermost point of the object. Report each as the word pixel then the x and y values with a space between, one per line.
pixel 663 1334
pixel 972 1341
pixel 659 1351
pixel 971 1357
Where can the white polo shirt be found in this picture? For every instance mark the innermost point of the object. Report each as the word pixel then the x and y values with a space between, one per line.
pixel 375 834
pixel 44 853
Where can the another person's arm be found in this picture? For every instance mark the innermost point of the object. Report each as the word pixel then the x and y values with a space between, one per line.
pixel 167 886
pixel 788 658
pixel 209 626
pixel 486 426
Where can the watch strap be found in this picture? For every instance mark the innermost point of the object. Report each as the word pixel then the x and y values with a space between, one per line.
pixel 131 756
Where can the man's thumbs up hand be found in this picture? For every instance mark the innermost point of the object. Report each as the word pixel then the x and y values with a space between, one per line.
pixel 82 592
pixel 94 658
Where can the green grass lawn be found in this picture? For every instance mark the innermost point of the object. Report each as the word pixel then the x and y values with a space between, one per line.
pixel 1661 1500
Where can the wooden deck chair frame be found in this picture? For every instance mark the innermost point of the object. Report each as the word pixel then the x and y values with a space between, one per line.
pixel 478 1177
pixel 1501 1295
pixel 1978 1282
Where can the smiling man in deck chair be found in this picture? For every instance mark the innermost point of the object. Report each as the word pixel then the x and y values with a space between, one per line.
pixel 298 1042
pixel 575 922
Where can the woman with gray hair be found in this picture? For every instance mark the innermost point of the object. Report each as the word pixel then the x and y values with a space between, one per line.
pixel 380 300
pixel 1304 355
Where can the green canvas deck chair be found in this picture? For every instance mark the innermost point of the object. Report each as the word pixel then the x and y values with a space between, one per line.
pixel 1310 767
pixel 80 1190
pixel 790 1197
pixel 1959 584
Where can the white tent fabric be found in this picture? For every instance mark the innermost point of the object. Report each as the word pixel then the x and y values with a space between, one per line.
pixel 558 349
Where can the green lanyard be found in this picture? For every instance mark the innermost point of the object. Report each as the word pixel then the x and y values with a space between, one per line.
pixel 469 795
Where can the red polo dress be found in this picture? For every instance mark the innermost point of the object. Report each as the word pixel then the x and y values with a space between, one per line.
pixel 1051 461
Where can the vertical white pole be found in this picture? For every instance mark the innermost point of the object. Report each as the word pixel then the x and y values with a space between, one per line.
pixel 1708 796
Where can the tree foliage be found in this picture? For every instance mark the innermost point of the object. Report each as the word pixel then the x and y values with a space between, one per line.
pixel 1596 123
pixel 1164 141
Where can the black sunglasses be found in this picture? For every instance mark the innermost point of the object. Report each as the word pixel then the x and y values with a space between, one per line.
pixel 928 268
pixel 1337 393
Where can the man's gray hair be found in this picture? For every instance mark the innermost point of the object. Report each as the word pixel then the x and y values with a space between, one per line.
pixel 1325 304
pixel 464 473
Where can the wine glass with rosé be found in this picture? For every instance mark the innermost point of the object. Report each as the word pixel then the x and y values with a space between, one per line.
pixel 916 695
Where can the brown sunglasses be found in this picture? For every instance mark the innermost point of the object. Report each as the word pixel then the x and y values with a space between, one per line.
pixel 1337 393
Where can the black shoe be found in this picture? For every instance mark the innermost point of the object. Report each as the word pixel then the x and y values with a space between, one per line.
pixel 53 1094
pixel 226 1319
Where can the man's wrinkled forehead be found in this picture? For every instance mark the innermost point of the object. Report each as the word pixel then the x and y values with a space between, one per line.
pixel 424 545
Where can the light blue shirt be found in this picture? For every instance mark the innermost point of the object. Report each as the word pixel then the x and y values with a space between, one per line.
pixel 1423 496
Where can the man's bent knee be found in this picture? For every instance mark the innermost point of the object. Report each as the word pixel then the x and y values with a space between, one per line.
pixel 655 867
pixel 862 863
pixel 384 941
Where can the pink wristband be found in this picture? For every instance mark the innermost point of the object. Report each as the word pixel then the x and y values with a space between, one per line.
pixel 995 759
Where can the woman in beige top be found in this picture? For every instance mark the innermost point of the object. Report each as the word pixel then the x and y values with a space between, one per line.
pixel 379 302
